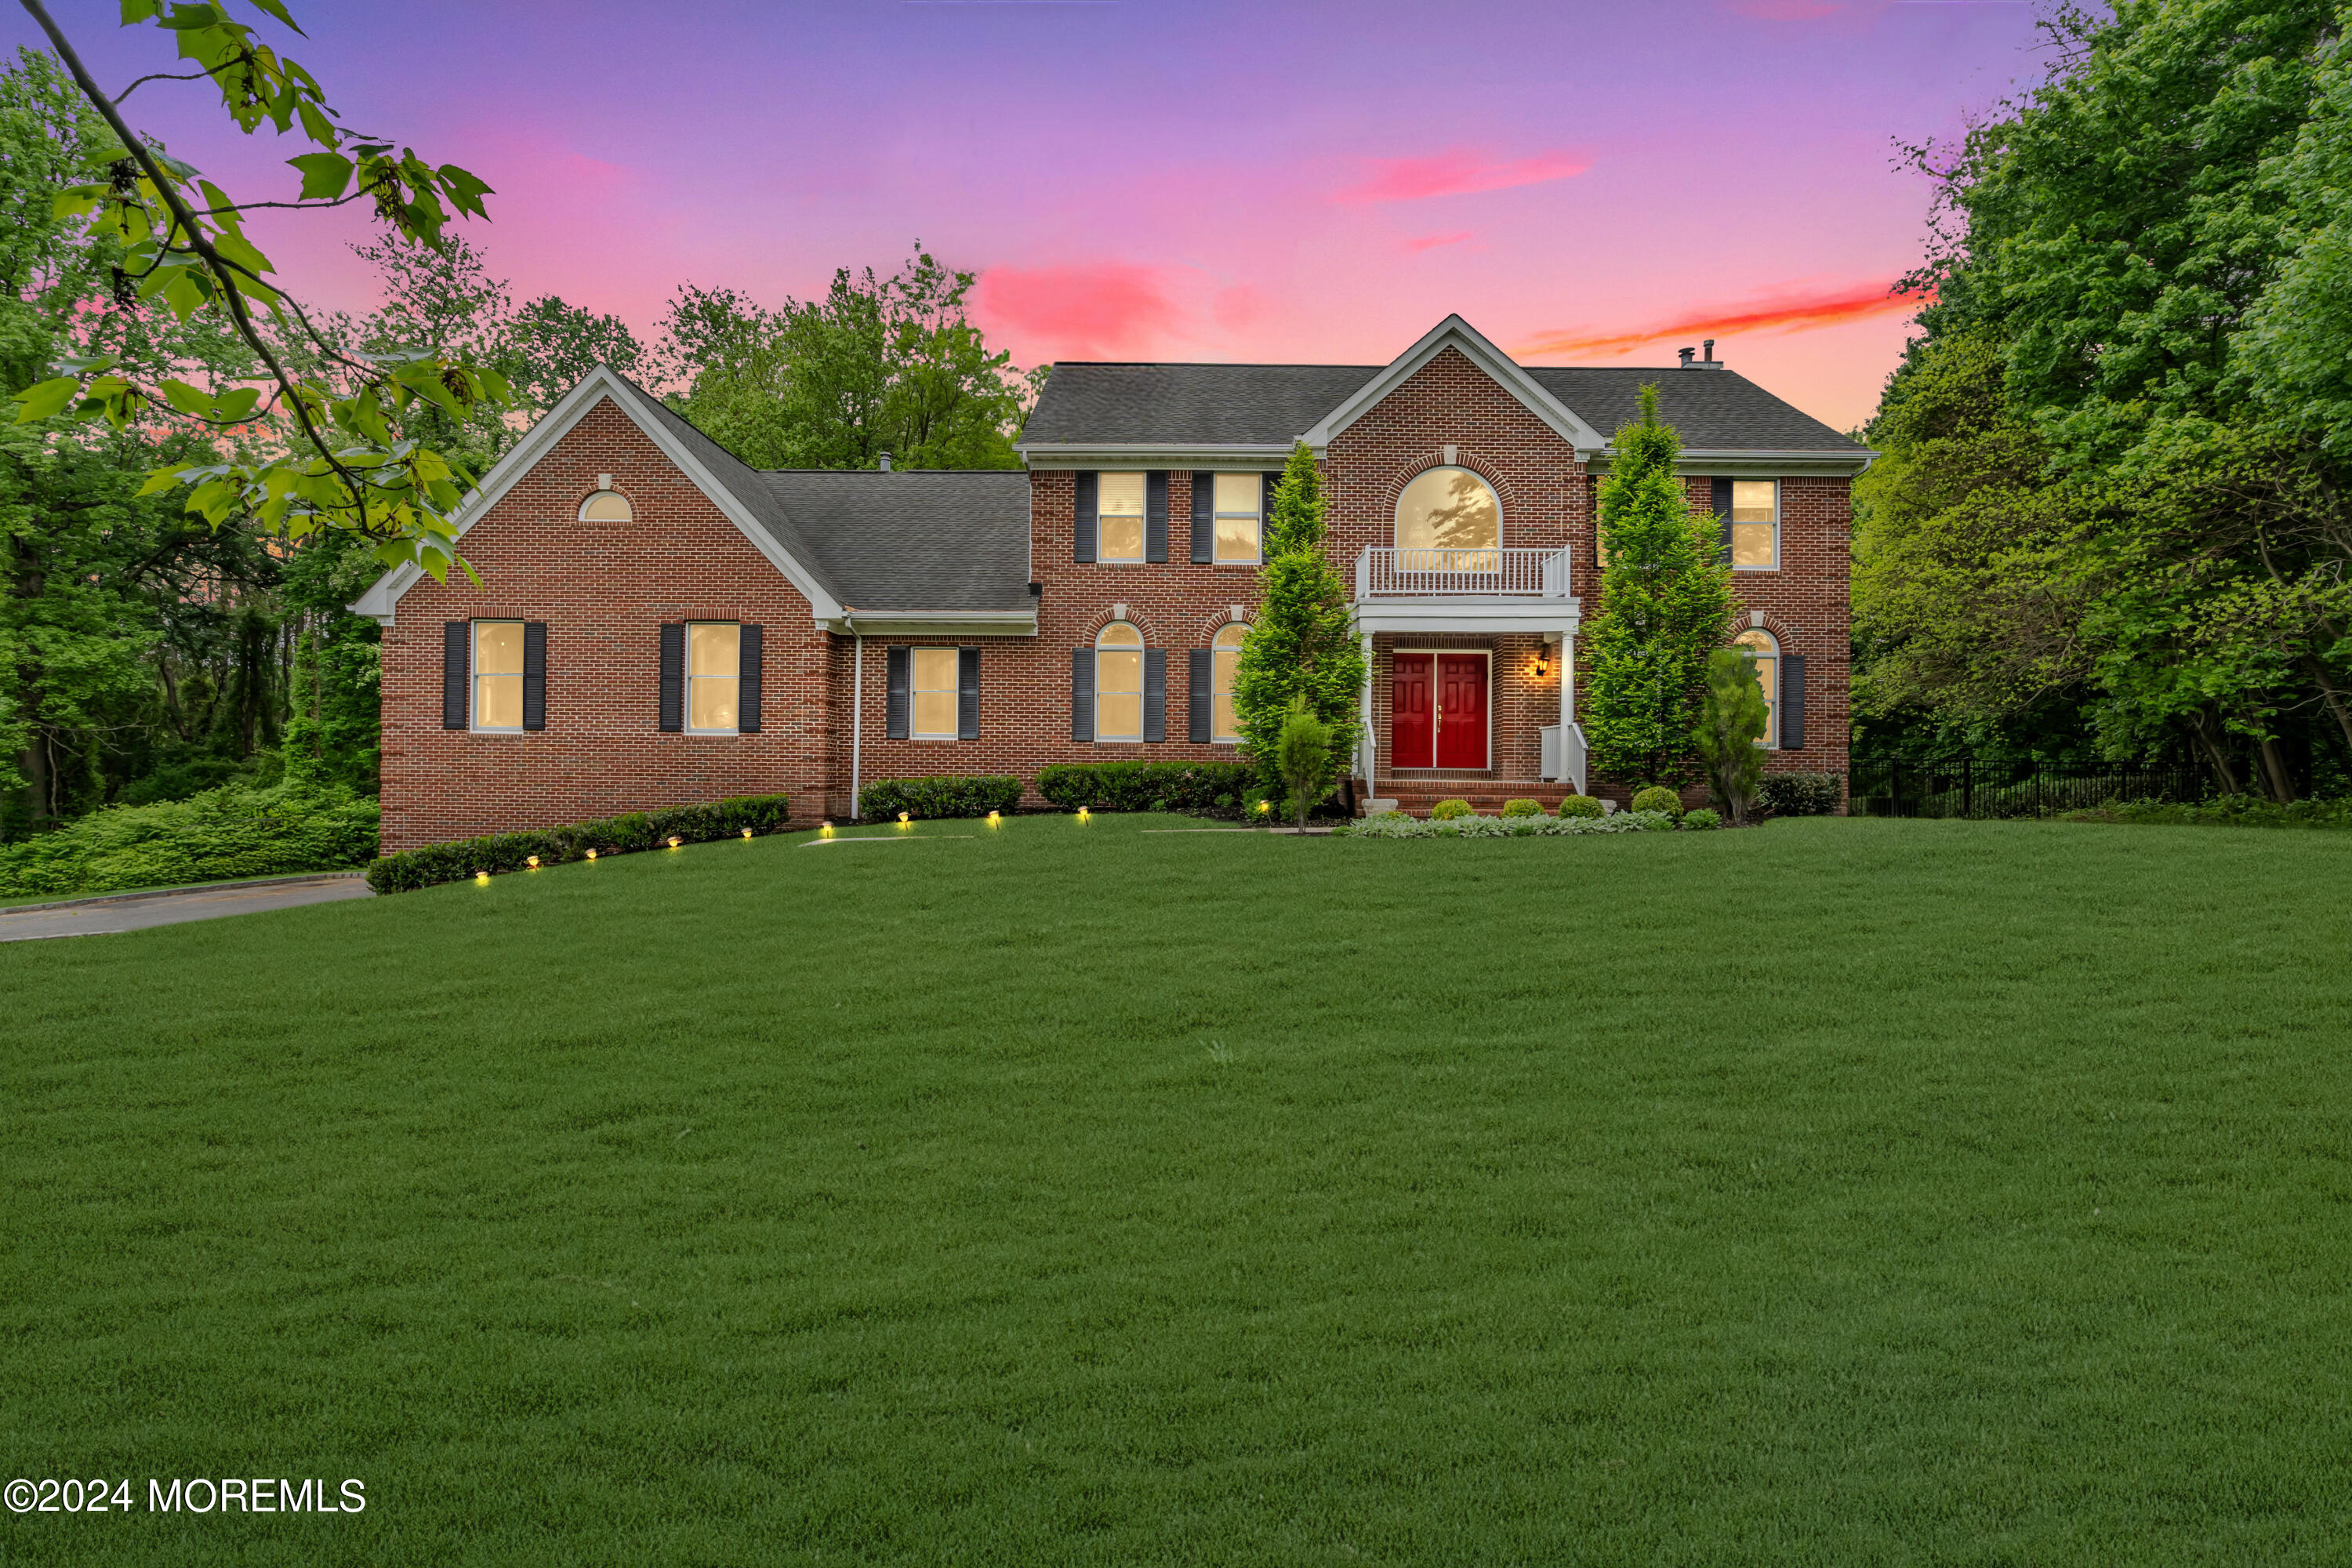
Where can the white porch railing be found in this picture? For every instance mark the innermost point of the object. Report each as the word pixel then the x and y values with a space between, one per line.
pixel 1563 762
pixel 1385 572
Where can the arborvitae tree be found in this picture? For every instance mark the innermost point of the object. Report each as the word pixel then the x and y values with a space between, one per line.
pixel 1666 604
pixel 1303 642
pixel 1731 721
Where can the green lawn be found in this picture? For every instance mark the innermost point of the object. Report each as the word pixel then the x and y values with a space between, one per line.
pixel 1840 1191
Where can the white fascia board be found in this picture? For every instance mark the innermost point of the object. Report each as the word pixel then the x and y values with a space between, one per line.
pixel 1453 333
pixel 934 623
pixel 1153 455
pixel 1558 616
pixel 383 594
pixel 1755 462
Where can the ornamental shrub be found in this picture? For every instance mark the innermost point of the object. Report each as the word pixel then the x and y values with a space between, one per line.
pixel 1658 797
pixel 1396 825
pixel 936 799
pixel 217 836
pixel 1731 721
pixel 500 852
pixel 1523 808
pixel 1800 794
pixel 1204 789
pixel 1582 806
pixel 1701 819
pixel 1450 811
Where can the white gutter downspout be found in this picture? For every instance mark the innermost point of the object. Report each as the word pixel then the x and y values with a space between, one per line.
pixel 856 712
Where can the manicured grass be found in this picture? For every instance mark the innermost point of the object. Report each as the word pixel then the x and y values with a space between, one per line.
pixel 1838 1192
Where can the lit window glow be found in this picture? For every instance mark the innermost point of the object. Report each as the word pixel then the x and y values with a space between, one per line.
pixel 714 663
pixel 606 506
pixel 1224 659
pixel 1239 526
pixel 497 675
pixel 1754 525
pixel 935 690
pixel 1118 517
pixel 1448 520
pixel 1764 652
pixel 1118 683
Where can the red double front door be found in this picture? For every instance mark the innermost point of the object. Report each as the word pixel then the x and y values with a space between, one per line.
pixel 1438 711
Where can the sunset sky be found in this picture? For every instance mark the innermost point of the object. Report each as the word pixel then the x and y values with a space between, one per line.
pixel 1156 179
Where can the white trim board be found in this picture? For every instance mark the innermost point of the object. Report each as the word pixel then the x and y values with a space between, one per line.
pixel 598 385
pixel 1453 333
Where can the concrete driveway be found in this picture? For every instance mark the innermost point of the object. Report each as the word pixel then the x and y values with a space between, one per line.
pixel 135 912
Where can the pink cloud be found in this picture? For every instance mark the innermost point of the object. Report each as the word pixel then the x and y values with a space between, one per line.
pixel 1241 306
pixel 1094 310
pixel 1783 310
pixel 1432 241
pixel 1459 171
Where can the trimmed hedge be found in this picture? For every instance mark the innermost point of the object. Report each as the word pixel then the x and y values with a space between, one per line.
pixel 219 836
pixel 499 852
pixel 1207 788
pixel 936 799
pixel 1800 794
pixel 1658 797
pixel 1701 820
pixel 1523 808
pixel 1581 805
pixel 1450 811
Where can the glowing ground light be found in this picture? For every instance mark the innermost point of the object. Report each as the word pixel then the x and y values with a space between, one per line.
pixel 747 833
pixel 483 878
pixel 591 854
pixel 902 820
pixel 1082 813
pixel 826 828
pixel 992 819
pixel 676 841
pixel 531 862
pixel 1264 806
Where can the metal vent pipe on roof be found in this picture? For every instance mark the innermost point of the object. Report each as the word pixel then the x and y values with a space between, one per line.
pixel 886 462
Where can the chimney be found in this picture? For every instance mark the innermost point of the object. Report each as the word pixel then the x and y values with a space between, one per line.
pixel 1687 356
pixel 1710 352
pixel 886 462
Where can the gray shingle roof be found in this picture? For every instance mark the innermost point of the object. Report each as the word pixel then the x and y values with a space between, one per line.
pixel 913 540
pixel 1235 405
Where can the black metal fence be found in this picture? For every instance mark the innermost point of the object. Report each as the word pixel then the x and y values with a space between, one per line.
pixel 2011 786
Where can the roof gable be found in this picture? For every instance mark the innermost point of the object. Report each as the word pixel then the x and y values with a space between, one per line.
pixel 1456 333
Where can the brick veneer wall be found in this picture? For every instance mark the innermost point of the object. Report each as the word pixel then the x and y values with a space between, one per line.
pixel 603 590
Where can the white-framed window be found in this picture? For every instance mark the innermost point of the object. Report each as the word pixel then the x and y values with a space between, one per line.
pixel 714 665
pixel 497 675
pixel 1763 650
pixel 1118 683
pixel 1754 525
pixel 932 683
pixel 1449 519
pixel 1118 517
pixel 1224 659
pixel 1239 525
pixel 606 506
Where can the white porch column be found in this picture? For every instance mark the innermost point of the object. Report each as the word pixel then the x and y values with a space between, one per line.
pixel 1367 748
pixel 1566 680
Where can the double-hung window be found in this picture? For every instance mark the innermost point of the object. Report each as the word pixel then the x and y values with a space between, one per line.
pixel 1224 659
pixel 1239 521
pixel 497 675
pixel 714 663
pixel 1118 509
pixel 1118 683
pixel 935 688
pixel 1754 525
pixel 1763 651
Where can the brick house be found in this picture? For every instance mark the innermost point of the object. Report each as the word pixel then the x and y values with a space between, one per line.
pixel 657 622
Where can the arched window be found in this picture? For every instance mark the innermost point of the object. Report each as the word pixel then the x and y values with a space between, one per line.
pixel 1448 520
pixel 1224 659
pixel 606 506
pixel 1118 683
pixel 1765 653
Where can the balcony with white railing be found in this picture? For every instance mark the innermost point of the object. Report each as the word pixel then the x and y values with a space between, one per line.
pixel 1384 572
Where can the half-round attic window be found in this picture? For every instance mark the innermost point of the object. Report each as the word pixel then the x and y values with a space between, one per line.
pixel 606 506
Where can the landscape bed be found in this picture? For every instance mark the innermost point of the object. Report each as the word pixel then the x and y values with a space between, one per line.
pixel 1119 1192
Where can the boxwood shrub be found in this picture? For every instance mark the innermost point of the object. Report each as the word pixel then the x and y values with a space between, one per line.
pixel 217 835
pixel 1800 794
pixel 1658 797
pixel 1450 811
pixel 1581 805
pixel 934 799
pixel 434 863
pixel 1214 789
pixel 1523 808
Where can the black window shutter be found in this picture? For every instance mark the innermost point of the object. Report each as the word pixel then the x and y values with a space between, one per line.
pixel 1082 538
pixel 1082 694
pixel 967 694
pixel 1155 515
pixel 1792 702
pixel 1204 519
pixel 896 661
pixel 1197 697
pixel 456 659
pixel 746 681
pixel 1722 501
pixel 534 675
pixel 673 676
pixel 1155 694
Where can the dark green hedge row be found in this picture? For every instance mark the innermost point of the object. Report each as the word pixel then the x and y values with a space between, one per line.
pixel 1215 787
pixel 936 799
pixel 500 852
pixel 1800 795
pixel 214 836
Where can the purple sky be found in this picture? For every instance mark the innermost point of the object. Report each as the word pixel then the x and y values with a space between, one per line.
pixel 1584 181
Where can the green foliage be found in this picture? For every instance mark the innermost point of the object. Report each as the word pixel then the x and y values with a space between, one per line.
pixel 1396 826
pixel 1451 810
pixel 1303 757
pixel 1658 797
pixel 219 836
pixel 1731 722
pixel 1800 794
pixel 877 365
pixel 1303 644
pixel 1701 820
pixel 502 853
pixel 946 796
pixel 1211 789
pixel 2227 811
pixel 1523 808
pixel 1581 805
pixel 1666 603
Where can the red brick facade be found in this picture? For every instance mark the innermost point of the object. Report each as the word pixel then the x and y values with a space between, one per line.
pixel 604 590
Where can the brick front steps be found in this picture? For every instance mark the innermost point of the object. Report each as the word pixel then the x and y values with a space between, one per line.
pixel 1415 797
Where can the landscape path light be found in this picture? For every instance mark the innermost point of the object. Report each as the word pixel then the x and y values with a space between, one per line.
pixel 674 841
pixel 531 862
pixel 483 878
pixel 591 854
